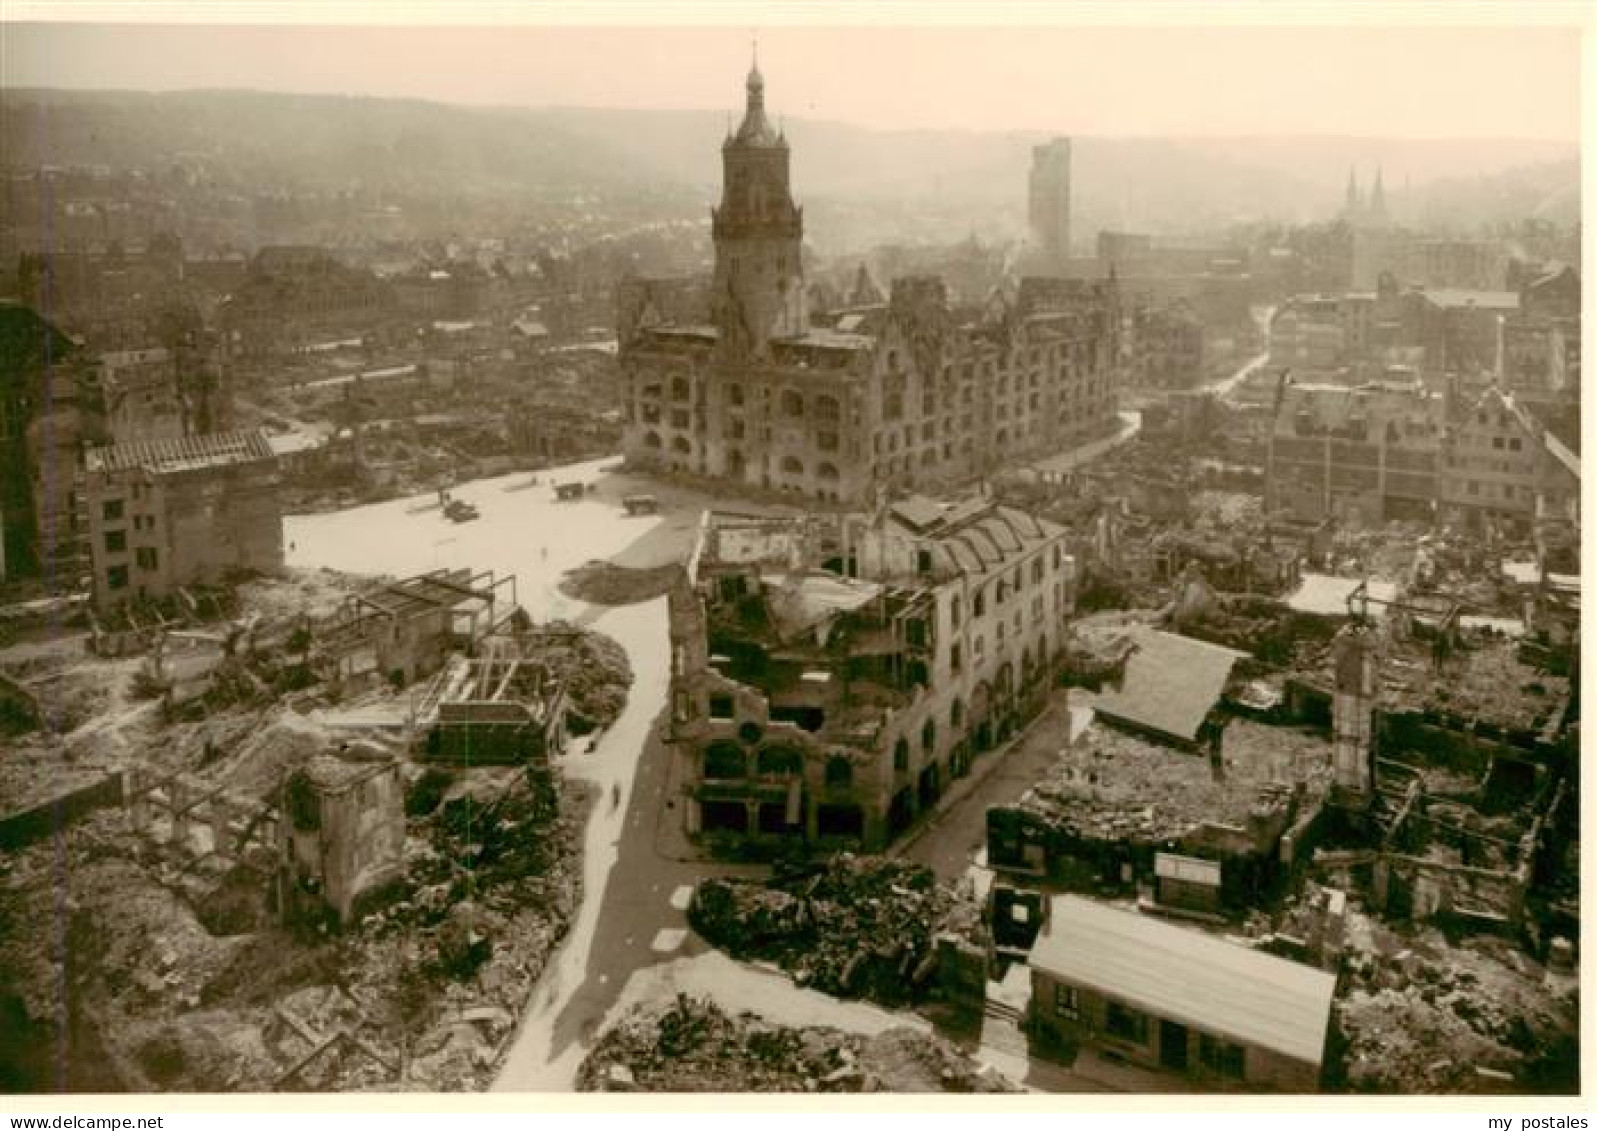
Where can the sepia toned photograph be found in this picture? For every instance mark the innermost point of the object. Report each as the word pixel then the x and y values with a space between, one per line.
pixel 792 550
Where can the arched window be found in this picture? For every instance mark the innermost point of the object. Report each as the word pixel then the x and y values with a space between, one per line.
pixel 956 714
pixel 792 402
pixel 792 466
pixel 724 760
pixel 828 410
pixel 928 736
pixel 779 760
pixel 651 439
pixel 680 445
pixel 839 773
pixel 901 754
pixel 827 471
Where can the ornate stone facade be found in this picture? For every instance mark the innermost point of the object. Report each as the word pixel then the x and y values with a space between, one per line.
pixel 913 394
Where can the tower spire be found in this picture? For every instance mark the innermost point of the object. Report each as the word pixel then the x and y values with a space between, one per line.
pixel 756 82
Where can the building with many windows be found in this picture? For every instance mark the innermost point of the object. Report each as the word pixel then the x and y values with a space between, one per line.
pixel 753 388
pixel 159 515
pixel 831 675
pixel 1363 454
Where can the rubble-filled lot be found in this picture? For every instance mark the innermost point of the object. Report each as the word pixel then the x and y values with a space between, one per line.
pixel 150 965
pixel 602 583
pixel 153 978
pixel 853 926
pixel 1422 1014
pixel 1111 784
pixel 692 1046
pixel 1486 680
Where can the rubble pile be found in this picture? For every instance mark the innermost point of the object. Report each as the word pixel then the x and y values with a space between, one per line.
pixel 149 987
pixel 1420 1012
pixel 603 583
pixel 690 1045
pixel 1115 786
pixel 1488 682
pixel 594 670
pixel 1428 1017
pixel 854 926
pixel 1265 629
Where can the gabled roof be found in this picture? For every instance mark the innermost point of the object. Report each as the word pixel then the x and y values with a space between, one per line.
pixel 1171 684
pixel 1187 976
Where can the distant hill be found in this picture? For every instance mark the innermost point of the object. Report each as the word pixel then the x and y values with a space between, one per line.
pixel 261 141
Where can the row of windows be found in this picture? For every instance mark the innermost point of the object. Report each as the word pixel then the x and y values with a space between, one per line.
pixel 1222 1057
pixel 1508 491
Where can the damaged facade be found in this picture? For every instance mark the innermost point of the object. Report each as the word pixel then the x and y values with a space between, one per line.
pixel 765 393
pixel 342 832
pixel 1360 454
pixel 831 677
pixel 159 515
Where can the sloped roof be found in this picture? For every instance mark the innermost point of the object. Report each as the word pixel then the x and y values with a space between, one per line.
pixel 1171 683
pixel 1187 976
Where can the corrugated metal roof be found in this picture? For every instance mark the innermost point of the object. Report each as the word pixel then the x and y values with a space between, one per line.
pixel 1187 976
pixel 1171 683
pixel 189 453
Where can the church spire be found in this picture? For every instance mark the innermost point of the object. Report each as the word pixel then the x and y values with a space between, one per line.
pixel 1352 205
pixel 1378 197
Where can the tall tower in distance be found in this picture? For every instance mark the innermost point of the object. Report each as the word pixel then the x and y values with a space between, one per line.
pixel 758 289
pixel 1050 199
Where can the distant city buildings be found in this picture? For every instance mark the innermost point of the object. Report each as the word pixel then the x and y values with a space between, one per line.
pixel 1360 454
pixel 1385 450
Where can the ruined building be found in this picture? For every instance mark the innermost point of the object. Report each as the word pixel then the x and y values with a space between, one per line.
pixel 831 676
pixel 1364 454
pixel 345 833
pixel 164 514
pixel 754 388
pixel 1384 451
pixel 1352 699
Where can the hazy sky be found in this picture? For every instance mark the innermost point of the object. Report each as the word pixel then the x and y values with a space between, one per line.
pixel 1373 81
